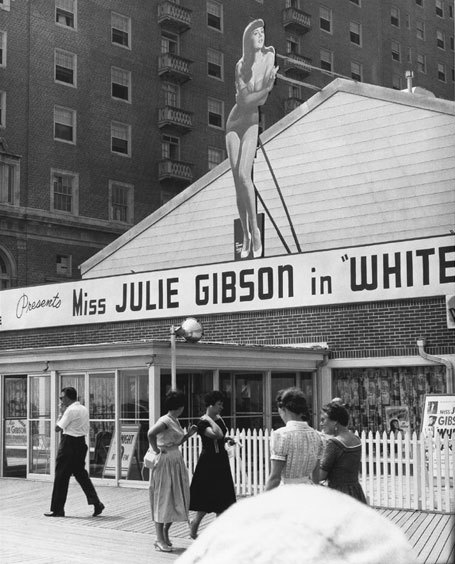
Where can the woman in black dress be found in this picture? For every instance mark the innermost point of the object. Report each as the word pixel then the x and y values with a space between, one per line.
pixel 212 488
pixel 340 464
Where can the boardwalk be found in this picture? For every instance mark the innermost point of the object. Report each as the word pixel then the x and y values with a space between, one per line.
pixel 124 533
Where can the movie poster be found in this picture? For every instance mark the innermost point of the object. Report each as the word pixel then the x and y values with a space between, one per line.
pixel 397 419
pixel 439 415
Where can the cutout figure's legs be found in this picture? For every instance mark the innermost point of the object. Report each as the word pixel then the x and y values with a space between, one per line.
pixel 241 151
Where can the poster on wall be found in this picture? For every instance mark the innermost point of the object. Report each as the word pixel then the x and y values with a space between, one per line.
pixel 397 418
pixel 128 439
pixel 439 415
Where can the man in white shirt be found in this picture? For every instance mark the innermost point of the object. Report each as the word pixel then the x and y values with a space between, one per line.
pixel 74 424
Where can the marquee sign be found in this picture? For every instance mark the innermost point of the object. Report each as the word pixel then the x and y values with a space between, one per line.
pixel 388 271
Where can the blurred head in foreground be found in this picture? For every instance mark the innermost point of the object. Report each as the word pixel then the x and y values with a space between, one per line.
pixel 300 523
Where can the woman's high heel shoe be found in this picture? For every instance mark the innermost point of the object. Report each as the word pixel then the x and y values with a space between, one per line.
pixel 257 253
pixel 162 547
pixel 246 249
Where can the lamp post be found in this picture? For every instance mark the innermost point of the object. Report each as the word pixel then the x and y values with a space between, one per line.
pixel 191 330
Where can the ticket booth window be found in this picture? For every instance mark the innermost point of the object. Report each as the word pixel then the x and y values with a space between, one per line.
pixel 283 380
pixel 244 400
pixel 194 385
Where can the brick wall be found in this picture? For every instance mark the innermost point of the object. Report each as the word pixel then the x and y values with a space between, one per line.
pixel 351 331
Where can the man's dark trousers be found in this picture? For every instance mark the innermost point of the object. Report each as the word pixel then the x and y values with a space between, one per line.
pixel 71 460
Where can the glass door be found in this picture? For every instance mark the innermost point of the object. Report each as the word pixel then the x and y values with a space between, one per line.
pixel 40 424
pixel 15 427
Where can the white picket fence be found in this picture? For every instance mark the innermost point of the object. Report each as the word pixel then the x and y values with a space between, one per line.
pixel 400 472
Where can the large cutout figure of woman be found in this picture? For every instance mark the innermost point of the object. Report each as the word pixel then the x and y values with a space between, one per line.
pixel 255 75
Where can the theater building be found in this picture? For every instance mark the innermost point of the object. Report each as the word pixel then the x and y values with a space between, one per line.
pixel 352 296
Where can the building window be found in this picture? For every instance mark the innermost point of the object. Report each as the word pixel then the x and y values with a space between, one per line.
pixel 215 15
pixel 65 192
pixel 441 72
pixel 121 202
pixel 171 94
pixel 294 91
pixel 65 67
pixel 395 16
pixel 409 56
pixel 169 43
pixel 9 180
pixel 215 113
pixel 120 84
pixel 65 124
pixel 64 265
pixel 451 11
pixel 355 33
pixel 215 157
pixel 121 138
pixel 420 29
pixel 2 109
pixel 419 2
pixel 396 52
pixel 439 8
pixel 421 64
pixel 6 271
pixel 6 183
pixel 120 30
pixel 215 64
pixel 292 44
pixel 170 148
pixel 396 82
pixel 440 39
pixel 356 71
pixel 408 21
pixel 326 60
pixel 325 19
pixel 2 48
pixel 65 13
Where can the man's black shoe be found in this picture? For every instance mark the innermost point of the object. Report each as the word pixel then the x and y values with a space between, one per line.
pixel 98 509
pixel 55 514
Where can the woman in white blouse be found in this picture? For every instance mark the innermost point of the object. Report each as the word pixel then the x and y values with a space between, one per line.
pixel 297 447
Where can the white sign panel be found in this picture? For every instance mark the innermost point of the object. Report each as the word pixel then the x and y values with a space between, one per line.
pixel 390 271
pixel 128 439
pixel 439 415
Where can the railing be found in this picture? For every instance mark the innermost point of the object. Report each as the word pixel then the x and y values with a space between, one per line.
pixel 174 14
pixel 175 116
pixel 173 64
pixel 401 472
pixel 299 63
pixel 293 18
pixel 175 170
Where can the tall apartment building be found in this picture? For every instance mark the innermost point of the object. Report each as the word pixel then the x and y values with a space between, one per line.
pixel 109 108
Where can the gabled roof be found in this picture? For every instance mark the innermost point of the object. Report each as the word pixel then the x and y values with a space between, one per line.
pixel 356 164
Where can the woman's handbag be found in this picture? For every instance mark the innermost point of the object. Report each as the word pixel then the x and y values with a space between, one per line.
pixel 150 458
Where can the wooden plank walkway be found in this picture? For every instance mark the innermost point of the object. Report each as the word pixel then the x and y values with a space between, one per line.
pixel 125 531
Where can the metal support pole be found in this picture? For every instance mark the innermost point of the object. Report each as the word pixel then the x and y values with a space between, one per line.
pixel 173 360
